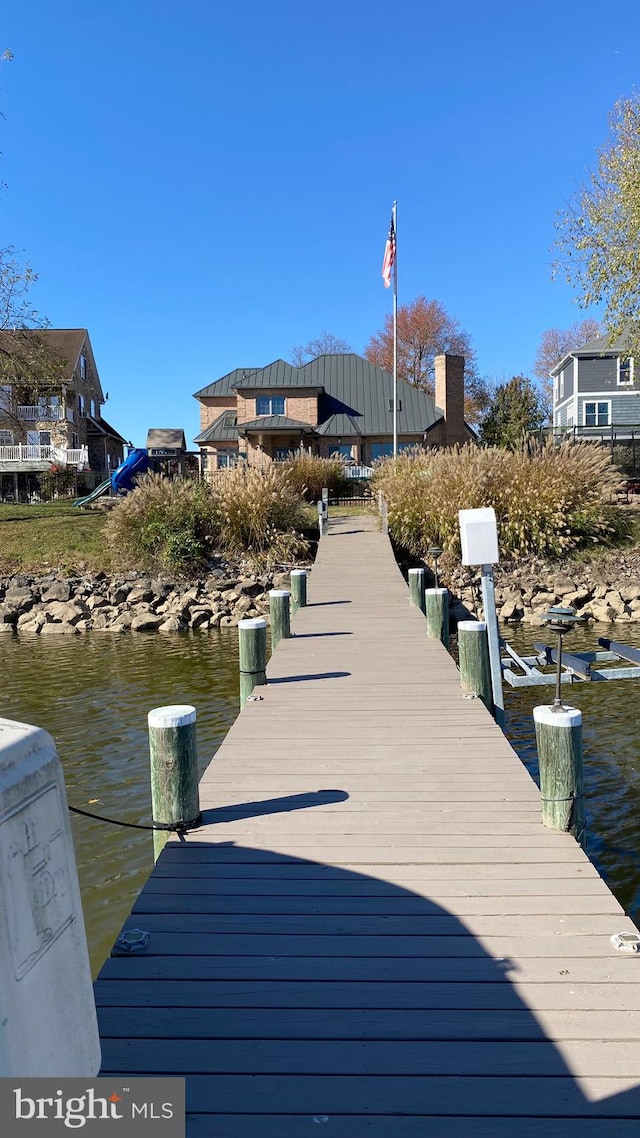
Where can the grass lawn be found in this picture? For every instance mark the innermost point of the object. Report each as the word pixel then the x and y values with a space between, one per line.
pixel 47 537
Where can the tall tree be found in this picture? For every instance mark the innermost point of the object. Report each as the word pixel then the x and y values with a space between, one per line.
pixel 516 411
pixel 599 232
pixel 554 344
pixel 425 330
pixel 324 344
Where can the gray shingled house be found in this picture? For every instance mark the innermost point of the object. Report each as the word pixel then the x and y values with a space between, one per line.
pixel 335 404
pixel 594 394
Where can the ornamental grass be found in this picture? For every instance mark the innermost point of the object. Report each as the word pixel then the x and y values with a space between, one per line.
pixel 309 474
pixel 178 526
pixel 548 500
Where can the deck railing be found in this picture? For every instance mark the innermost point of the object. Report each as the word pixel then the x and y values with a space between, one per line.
pixel 60 456
pixel 44 412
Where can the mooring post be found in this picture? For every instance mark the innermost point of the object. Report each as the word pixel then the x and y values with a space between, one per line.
pixel 473 655
pixel 416 588
pixel 174 769
pixel 298 589
pixel 436 610
pixel 279 613
pixel 559 742
pixel 252 643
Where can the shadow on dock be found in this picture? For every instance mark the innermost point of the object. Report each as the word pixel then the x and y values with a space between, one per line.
pixel 290 992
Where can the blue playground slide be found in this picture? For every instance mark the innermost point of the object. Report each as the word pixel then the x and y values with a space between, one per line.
pixel 123 477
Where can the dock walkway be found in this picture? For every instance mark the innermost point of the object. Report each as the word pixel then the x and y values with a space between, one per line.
pixel 373 935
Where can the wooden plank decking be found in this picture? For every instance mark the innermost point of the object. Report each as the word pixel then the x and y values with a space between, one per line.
pixel 373 934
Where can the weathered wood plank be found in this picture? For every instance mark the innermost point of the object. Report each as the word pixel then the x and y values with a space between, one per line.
pixel 502 906
pixel 405 1126
pixel 558 998
pixel 480 969
pixel 313 1023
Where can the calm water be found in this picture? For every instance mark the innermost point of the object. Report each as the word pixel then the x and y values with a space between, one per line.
pixel 92 694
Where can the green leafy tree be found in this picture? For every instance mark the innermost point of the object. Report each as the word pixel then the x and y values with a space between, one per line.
pixel 599 232
pixel 515 412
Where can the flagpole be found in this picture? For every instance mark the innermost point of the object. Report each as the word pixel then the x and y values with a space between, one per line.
pixel 394 214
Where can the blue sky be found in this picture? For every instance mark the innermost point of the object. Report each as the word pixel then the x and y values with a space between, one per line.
pixel 204 185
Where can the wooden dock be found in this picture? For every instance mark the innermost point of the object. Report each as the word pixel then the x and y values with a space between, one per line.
pixel 373 935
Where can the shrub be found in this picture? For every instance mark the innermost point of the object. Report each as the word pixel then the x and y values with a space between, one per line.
pixel 308 474
pixel 164 525
pixel 259 514
pixel 548 501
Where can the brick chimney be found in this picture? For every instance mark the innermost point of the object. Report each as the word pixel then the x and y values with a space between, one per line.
pixel 450 398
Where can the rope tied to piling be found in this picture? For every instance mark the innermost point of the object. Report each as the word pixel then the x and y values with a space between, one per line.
pixel 180 828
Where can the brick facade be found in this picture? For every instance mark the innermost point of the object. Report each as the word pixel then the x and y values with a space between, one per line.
pixel 450 398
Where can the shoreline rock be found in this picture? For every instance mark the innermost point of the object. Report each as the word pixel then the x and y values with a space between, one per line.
pixel 52 604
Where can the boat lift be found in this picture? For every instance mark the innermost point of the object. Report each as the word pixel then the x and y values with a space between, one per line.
pixel 576 667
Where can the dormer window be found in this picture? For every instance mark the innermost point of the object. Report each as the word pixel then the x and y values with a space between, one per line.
pixel 270 405
pixel 625 371
pixel 83 367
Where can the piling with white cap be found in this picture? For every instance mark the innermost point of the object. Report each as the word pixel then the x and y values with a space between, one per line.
pixel 279 616
pixel 174 769
pixel 559 741
pixel 437 614
pixel 298 589
pixel 252 644
pixel 473 657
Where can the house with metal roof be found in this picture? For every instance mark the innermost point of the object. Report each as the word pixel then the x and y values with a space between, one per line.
pixel 333 405
pixel 594 393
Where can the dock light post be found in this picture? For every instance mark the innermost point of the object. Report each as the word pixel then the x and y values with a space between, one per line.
pixel 560 620
pixel 435 552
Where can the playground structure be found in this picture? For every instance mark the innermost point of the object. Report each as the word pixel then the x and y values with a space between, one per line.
pixel 122 479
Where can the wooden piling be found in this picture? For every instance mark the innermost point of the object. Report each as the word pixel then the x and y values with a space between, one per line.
pixel 252 642
pixel 174 769
pixel 279 613
pixel 473 656
pixel 298 589
pixel 559 742
pixel 416 588
pixel 437 614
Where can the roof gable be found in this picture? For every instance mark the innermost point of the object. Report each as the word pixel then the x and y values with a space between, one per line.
pixel 226 385
pixel 166 438
pixel 276 374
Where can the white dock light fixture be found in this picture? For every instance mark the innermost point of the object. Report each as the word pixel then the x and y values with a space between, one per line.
pixel 479 536
pixel 479 541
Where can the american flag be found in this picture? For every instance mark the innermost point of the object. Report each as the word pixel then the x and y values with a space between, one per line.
pixel 389 255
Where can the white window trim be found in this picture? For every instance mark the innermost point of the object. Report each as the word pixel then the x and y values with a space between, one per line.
pixel 597 426
pixel 262 414
pixel 625 382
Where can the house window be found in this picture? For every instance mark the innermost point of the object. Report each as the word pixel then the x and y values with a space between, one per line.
pixel 344 450
pixel 281 454
pixel 93 408
pixel 569 420
pixel 383 450
pixel 597 414
pixel 81 404
pixel 6 438
pixel 270 405
pixel 75 442
pixel 230 419
pixel 39 438
pixel 5 397
pixel 83 367
pixel 226 459
pixel 625 371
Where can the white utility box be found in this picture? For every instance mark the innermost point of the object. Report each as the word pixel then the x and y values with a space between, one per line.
pixel 48 1023
pixel 479 536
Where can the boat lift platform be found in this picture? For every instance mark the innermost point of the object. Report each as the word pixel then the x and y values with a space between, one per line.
pixel 578 667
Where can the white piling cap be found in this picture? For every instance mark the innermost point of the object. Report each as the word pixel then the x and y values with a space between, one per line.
pixel 436 592
pixel 279 593
pixel 253 622
pixel 175 715
pixel 415 571
pixel 298 572
pixel 472 625
pixel 568 717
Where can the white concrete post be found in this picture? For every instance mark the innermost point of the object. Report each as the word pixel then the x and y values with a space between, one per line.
pixel 48 1023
